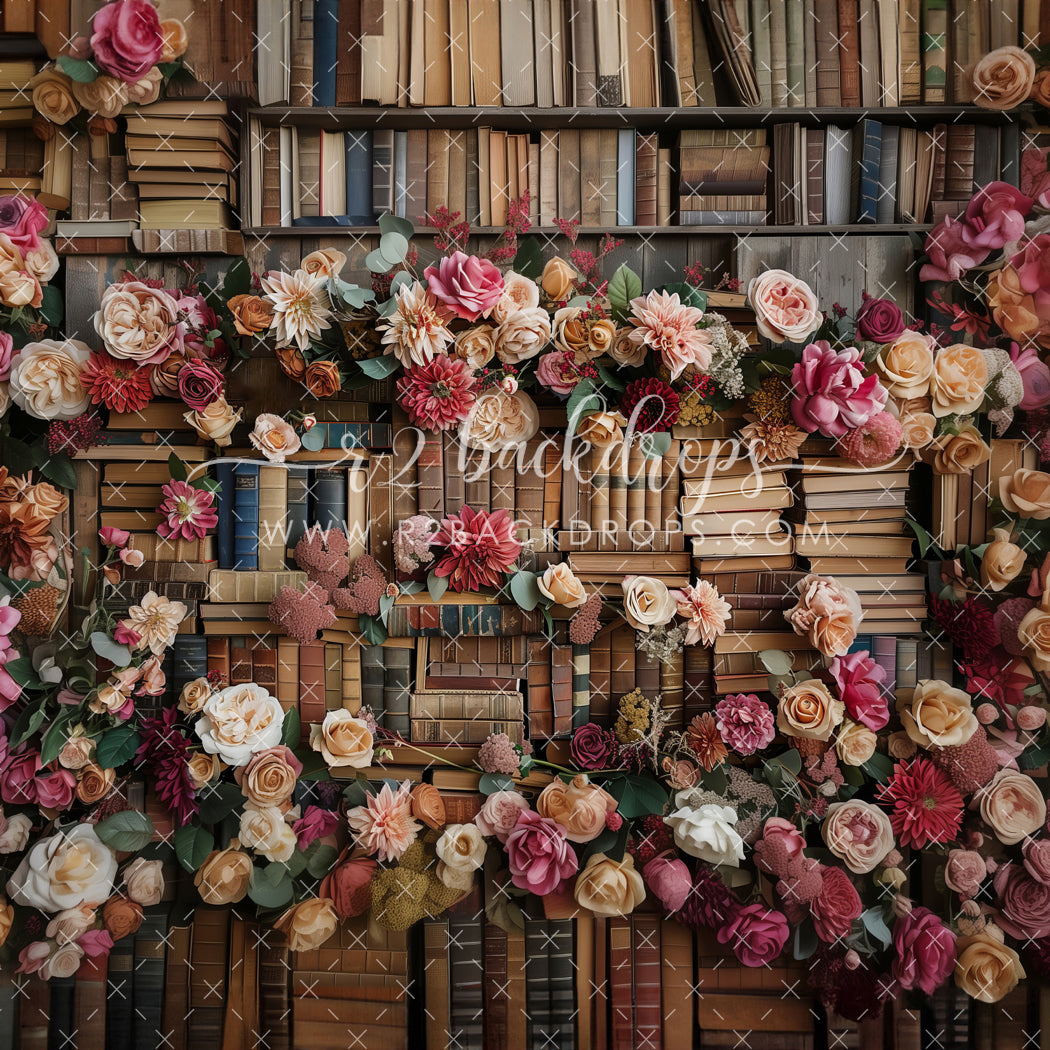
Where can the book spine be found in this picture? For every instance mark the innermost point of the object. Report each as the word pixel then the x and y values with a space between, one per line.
pixel 537 983
pixel 246 516
pixel 581 694
pixel 646 952
pixel 224 500
pixel 328 501
pixel 397 689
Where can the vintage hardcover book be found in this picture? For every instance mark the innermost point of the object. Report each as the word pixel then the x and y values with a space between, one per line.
pixel 311 683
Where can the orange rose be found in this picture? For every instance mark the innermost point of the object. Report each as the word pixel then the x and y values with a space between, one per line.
pixel 216 422
pixel 580 807
pixel 53 96
pixel 292 362
pixel 224 876
pixel 600 337
pixel 121 917
pixel 1041 88
pixel 309 924
pixel 601 429
pixel 562 587
pixel 95 783
pixel 322 378
pixel 1013 308
pixel 557 279
pixel 328 262
pixel 50 501
pixel 476 346
pixel 960 453
pixel 808 710
pixel 175 39
pixel 428 806
pixel 251 314
pixel 1034 636
pixel 1026 493
pixel 269 777
pixel 1003 78
pixel 20 288
pixel 570 332
pixel 203 768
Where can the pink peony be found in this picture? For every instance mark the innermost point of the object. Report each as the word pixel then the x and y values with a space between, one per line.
pixel 670 881
pixel 745 723
pixel 836 906
pixel 964 872
pixel 831 392
pixel 757 934
pixel 95 943
pixel 18 783
pixel 438 394
pixel 21 221
pixel 558 372
pixel 480 548
pixel 859 677
pixel 995 216
pixel 925 950
pixel 668 327
pixel 873 442
pixel 499 814
pixel 470 286
pixel 539 855
pixel 10 617
pixel 1037 859
pixel 127 39
pixel 781 842
pixel 879 320
pixel 950 252
pixel 1024 903
pixel 188 512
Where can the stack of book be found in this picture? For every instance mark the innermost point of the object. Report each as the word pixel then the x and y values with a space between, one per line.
pixel 91 172
pixel 722 177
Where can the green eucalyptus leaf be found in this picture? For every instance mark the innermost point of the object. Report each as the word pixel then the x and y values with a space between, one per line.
pixel 376 263
pixel 524 590
pixel 319 859
pixel 314 439
pixel 393 246
pixel 379 367
pixel 655 446
pixel 104 646
pixel 490 783
pixel 78 69
pixel 396 224
pixel 776 661
pixel 28 722
pixel 373 629
pixel 269 888
pixel 436 586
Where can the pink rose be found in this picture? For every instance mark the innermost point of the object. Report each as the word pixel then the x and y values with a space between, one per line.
pixel 314 824
pixel 6 348
pixel 500 813
pixel 470 286
pixel 199 384
pixel 56 790
pixel 781 841
pixel 859 677
pixel 830 391
pixel 669 880
pixel 21 220
pixel 1024 903
pixel 1034 374
pixel 1037 859
pixel 126 39
pixel 964 872
pixel 836 906
pixel 757 934
pixel 786 309
pixel 126 636
pixel 348 884
pixel 95 943
pixel 925 950
pixel 18 783
pixel 879 320
pixel 995 216
pixel 950 252
pixel 538 854
pixel 112 537
pixel 557 372
pixel 745 723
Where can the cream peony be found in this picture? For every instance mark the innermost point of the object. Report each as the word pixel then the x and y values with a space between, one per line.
pixel 707 832
pixel 138 323
pixel 45 379
pixel 500 420
pixel 240 721
pixel 64 871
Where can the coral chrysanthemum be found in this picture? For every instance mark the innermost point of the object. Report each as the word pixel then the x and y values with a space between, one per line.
pixel 927 808
pixel 299 312
pixel 119 385
pixel 479 548
pixel 770 441
pixel 707 612
pixel 188 512
pixel 384 824
pixel 439 394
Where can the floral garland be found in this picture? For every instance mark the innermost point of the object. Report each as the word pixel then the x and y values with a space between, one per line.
pixel 782 827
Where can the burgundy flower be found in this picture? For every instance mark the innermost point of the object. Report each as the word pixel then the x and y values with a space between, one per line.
pixel 592 747
pixel 925 950
pixel 199 384
pixel 656 402
pixel 879 320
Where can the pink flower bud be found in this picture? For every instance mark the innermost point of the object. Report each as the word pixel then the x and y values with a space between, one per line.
pixel 112 537
pixel 132 557
pixel 987 714
pixel 309 422
pixel 852 960
pixel 1031 718
pixel 893 859
pixel 80 47
pixel 613 821
pixel 509 385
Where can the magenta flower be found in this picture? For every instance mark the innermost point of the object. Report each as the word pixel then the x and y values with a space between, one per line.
pixel 995 216
pixel 925 950
pixel 470 286
pixel 10 690
pixel 859 679
pixel 112 537
pixel 950 251
pixel 480 547
pixel 745 723
pixel 830 391
pixel 189 512
pixel 538 854
pixel 127 39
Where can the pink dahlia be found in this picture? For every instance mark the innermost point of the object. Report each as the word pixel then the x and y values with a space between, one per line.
pixel 830 391
pixel 668 327
pixel 926 805
pixel 746 723
pixel 384 824
pixel 873 442
pixel 189 512
pixel 439 394
pixel 706 611
pixel 469 285
pixel 119 385
pixel 480 547
pixel 859 679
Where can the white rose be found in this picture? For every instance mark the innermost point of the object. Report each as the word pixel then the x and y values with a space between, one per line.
pixel 64 962
pixel 240 721
pixel 144 880
pixel 16 836
pixel 647 602
pixel 460 851
pixel 264 829
pixel 523 335
pixel 707 832
pixel 64 871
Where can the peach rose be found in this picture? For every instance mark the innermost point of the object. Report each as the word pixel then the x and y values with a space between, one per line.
pixel 121 917
pixel 164 377
pixel 309 924
pixel 1003 79
pixel 580 807
pixel 906 365
pixel 647 602
pixel 322 378
pixel 224 876
pixel 343 740
pixel 985 969
pixel 519 293
pixel 609 887
pixel 292 362
pixel 7 919
pixel 523 335
pixel 569 332
pixel 203 768
pixel 1013 806
pixel 1013 308
pixel 500 420
pixel 45 379
pixel 828 612
pixel 859 834
pixel 194 696
pixel 216 422
pixel 460 851
pixel 138 323
pixel 263 829
pixel 175 40
pixel 959 453
pixel 94 783
pixel 960 375
pixel 808 710
pixel 557 279
pixel 269 778
pixel 428 806
pixel 855 743
pixel 601 429
pixel 144 881
pixel 476 346
pixel 53 95
pixel 786 309
pixel 1002 562
pixel 1026 493
pixel 601 335
pixel 76 752
pixel 20 288
pixel 274 437
pixel 625 351
pixel 105 96
pixel 42 262
pixel 937 715
pixel 560 585
pixel 251 314
pixel 45 496
pixel 328 262
pixel 70 925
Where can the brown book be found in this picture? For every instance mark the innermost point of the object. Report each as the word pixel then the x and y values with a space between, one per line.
pixel 453 474
pixel 561 688
pixel 240 660
pixel 264 668
pixel 311 684
pixel 459 54
pixel 486 74
pixel 570 176
pixel 430 472
pixel 849 53
pixel 208 975
pixel 437 169
pixel 499 184
pixel 348 56
pixel 622 1023
pixel 540 693
pixel 529 486
pixel 958 163
pixel 590 177
pixel 497 1001
pixel 646 951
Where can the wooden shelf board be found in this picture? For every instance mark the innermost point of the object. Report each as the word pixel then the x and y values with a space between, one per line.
pixel 597 231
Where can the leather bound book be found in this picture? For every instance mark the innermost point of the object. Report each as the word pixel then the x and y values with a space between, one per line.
pixel 246 516
pixel 934 50
pixel 372 675
pixel 496 997
pixel 240 663
pixel 437 1022
pixel 518 1006
pixel 676 983
pixel 621 984
pixel 537 983
pixel 476 481
pixel 328 500
pixel 357 511
pixel 464 705
pixel 562 982
pixel 176 989
pixel 350 679
pixel 34 1011
pixel 601 660
pixel 672 689
pixel 120 994
pixel 460 807
pixel 404 474
pixel 297 485
pixel 541 706
pixel 148 981
pixel 469 731
pixel 599 489
pixel 959 162
pixel 397 688
pixel 848 36
pixel 466 977
pixel 219 658
pixel 623 658
pixel 618 469
pixel 274 998
pixel 348 56
pixel 648 1014
pixel 333 676
pixel 502 488
pixel 584 57
pixel 61 1027
pixel 561 688
pixel 552 482
pixel 311 684
pixel 453 474
pixel 484 17
pixel 499 182
pixel 529 487
pixel 287 672
pixel 581 694
pixel 273 512
pixel 590 177
pixel 380 502
pixel 208 985
pixel 89 1004
pixel 570 178
pixel 430 469
pixel 224 510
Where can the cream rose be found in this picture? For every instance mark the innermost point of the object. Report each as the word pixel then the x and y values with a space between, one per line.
pixel 1034 635
pixel 63 962
pixel 460 852
pixel 938 715
pixel 985 969
pixel 808 710
pixel 519 293
pixel 70 925
pixel 855 743
pixel 20 288
pixel 625 351
pixel 1002 562
pixel 53 96
pixel 1026 493
pixel 146 90
pixel 960 453
pixel 144 881
pixel 786 309
pixel 328 262
pixel 1003 78
pixel 560 585
pixel 647 602
pixel 274 437
pixel 42 261
pixel 500 420
pixel 76 752
pixel 343 740
pixel 216 422
pixel 609 887
pixel 203 768
pixel 1012 805
pixel 105 96
pixel 194 695
pixel 476 346
pixel 16 835
pixel 45 379
pixel 138 323
pixel 601 429
pixel 707 832
pixel 906 365
pixel 224 876
pixel 523 335
pixel 959 378
pixel 308 924
pixel 859 834
pixel 917 429
pixel 240 721
pixel 64 871
pixel 263 829
pixel 557 279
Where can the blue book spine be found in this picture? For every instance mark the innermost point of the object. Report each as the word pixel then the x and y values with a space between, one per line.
pixel 328 498
pixel 224 509
pixel 191 659
pixel 871 151
pixel 246 516
pixel 625 177
pixel 359 177
pixel 326 24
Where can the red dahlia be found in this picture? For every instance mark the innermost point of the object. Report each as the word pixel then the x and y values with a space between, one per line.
pixel 658 401
pixel 926 805
pixel 439 394
pixel 119 385
pixel 479 548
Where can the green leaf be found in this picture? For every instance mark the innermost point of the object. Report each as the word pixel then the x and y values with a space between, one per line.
pixel 878 767
pixel 192 845
pixel 57 734
pixel 238 280
pixel 319 859
pixel 59 469
pixel 924 538
pixel 28 722
pixel 355 793
pixel 296 864
pixel 876 926
pixel 379 367
pixel 271 887
pixel 776 661
pixel 373 629
pixel 582 401
pixel 624 285
pixel 689 295
pixel 20 457
pixel 314 439
pixel 117 746
pixel 524 590
pixel 396 224
pixel 399 281
pixel 655 446
pixel 78 69
pixel 291 729
pixel 217 801
pixel 104 646
pixel 638 796
pixel 376 263
pixel 529 259
pixel 393 246
pixel 490 783
pixel 21 670
pixel 176 468
pixel 51 307
pixel 608 379
pixel 436 586
pixel 127 831
pixel 805 943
